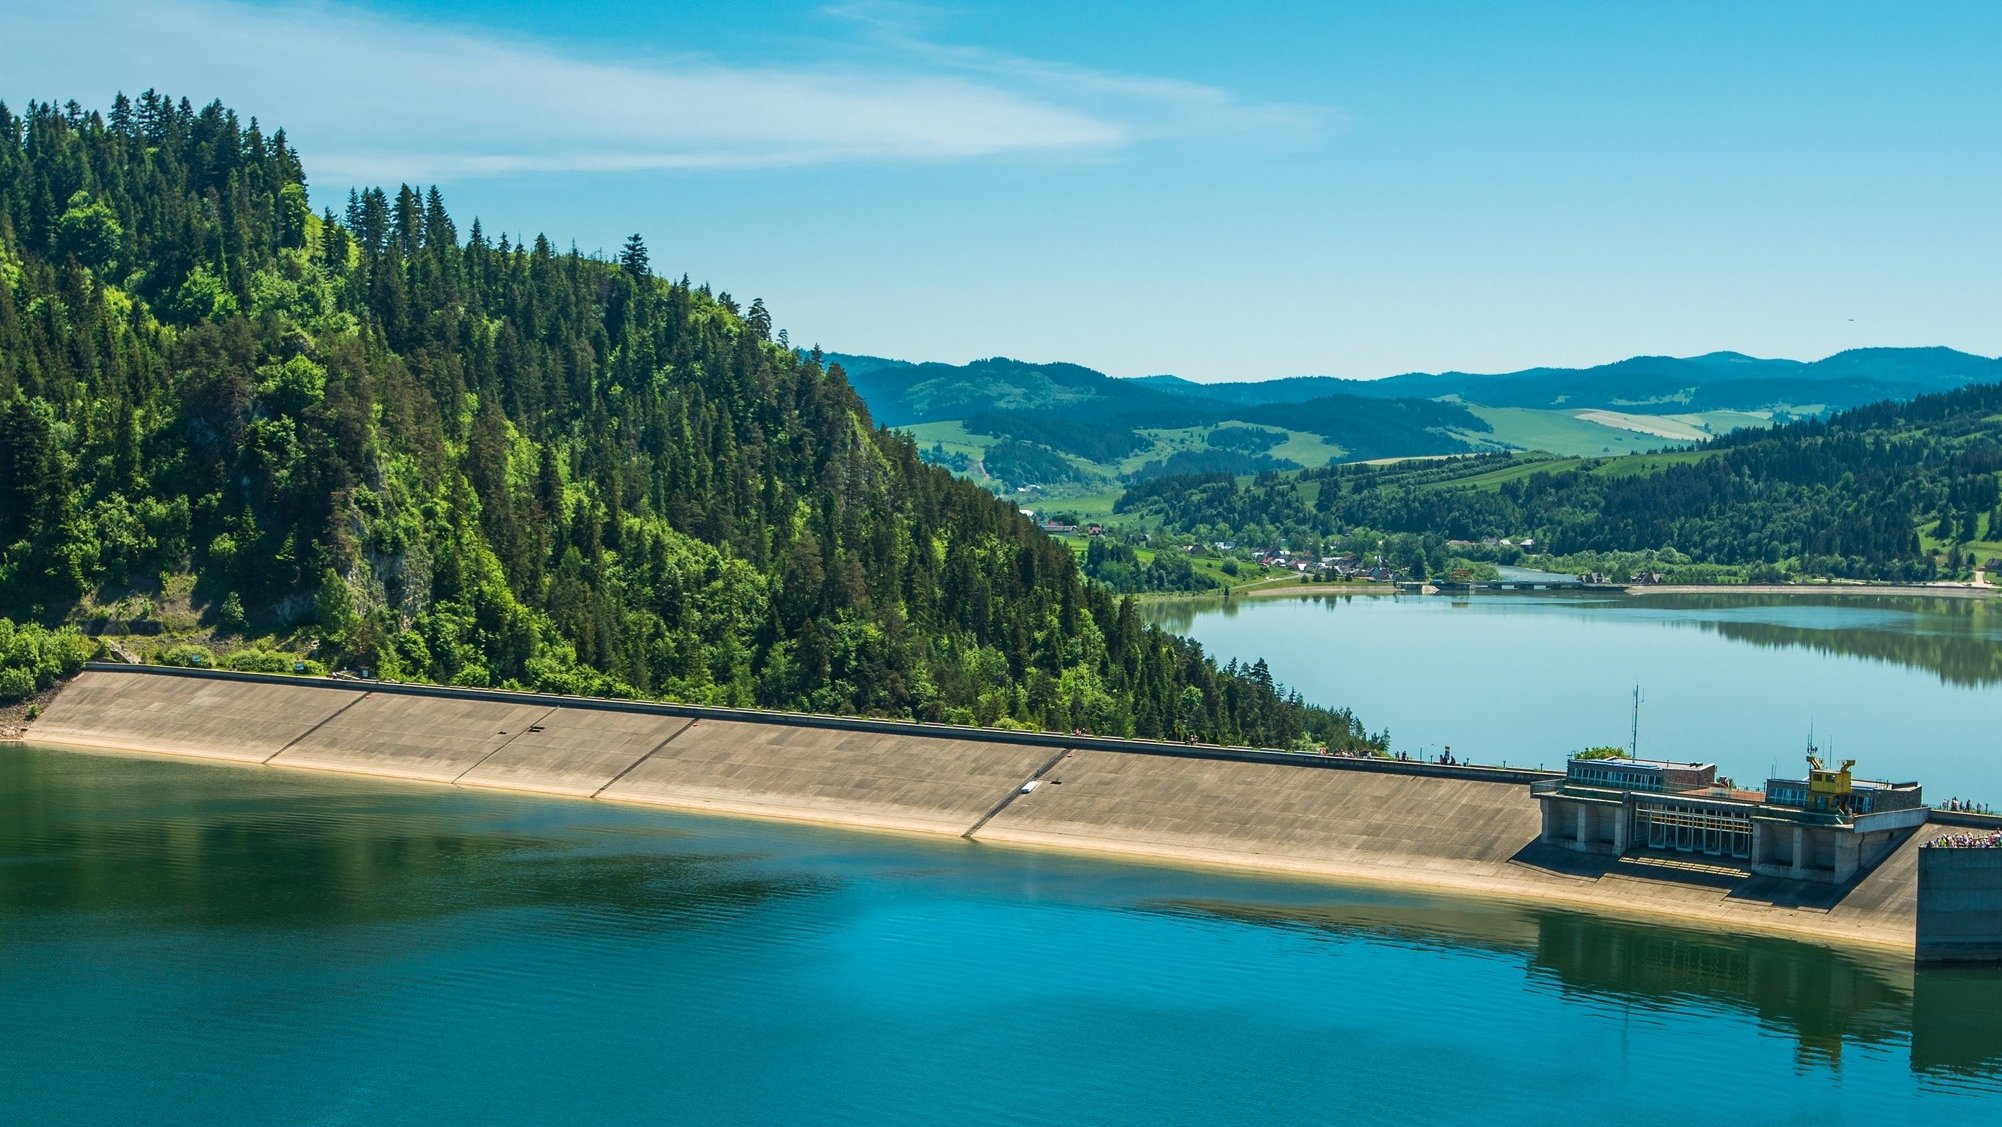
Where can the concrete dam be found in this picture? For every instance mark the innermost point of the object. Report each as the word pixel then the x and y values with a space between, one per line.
pixel 1420 826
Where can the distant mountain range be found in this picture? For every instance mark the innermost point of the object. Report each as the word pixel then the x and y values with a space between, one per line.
pixel 1715 381
pixel 1013 422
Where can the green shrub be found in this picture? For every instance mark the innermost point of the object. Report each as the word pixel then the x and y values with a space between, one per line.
pixel 32 658
pixel 259 660
pixel 16 683
pixel 186 655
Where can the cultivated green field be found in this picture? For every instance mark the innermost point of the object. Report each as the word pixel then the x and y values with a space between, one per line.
pixel 1427 474
pixel 1604 433
pixel 1300 447
pixel 1552 441
pixel 1559 432
pixel 952 435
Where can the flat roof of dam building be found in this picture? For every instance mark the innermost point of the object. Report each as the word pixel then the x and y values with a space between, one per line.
pixel 1824 792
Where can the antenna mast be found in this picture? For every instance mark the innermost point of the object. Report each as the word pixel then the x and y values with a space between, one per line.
pixel 1634 748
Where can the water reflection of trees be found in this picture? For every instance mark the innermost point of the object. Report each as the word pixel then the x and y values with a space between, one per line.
pixel 1821 997
pixel 1958 1031
pixel 1967 657
pixel 183 852
pixel 1957 639
pixel 1178 616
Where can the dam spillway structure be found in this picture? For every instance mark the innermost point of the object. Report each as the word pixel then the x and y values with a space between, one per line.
pixel 1829 827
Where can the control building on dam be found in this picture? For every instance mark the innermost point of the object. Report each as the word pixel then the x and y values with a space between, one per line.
pixel 1828 827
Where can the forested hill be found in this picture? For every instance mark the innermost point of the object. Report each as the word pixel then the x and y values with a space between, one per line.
pixel 1071 431
pixel 458 458
pixel 1904 491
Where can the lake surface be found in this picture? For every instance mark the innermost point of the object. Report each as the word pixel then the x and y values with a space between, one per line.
pixel 1907 687
pixel 193 943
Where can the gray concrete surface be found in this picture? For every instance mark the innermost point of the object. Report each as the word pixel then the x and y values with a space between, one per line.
pixel 175 716
pixel 854 778
pixel 1258 809
pixel 1959 906
pixel 577 751
pixel 412 737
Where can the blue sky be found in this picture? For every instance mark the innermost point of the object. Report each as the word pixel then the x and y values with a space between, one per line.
pixel 1219 191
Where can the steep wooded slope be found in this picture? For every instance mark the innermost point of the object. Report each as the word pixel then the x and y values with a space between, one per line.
pixel 462 459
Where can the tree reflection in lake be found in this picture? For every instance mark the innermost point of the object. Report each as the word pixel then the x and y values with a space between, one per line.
pixel 1953 638
pixel 1958 639
pixel 278 849
pixel 1738 679
pixel 1823 998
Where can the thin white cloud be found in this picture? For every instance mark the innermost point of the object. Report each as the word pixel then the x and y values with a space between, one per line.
pixel 1149 106
pixel 373 98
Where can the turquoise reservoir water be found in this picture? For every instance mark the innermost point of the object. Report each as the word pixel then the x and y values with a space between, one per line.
pixel 186 943
pixel 1908 687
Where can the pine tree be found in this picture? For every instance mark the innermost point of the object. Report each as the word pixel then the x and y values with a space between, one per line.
pixel 634 258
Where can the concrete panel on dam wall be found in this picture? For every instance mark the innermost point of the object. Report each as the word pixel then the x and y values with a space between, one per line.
pixel 577 751
pixel 413 737
pixel 860 778
pixel 1190 805
pixel 1888 892
pixel 187 715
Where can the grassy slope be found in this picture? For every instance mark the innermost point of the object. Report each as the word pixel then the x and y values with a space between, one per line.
pixel 1308 450
pixel 1529 464
pixel 1550 431
pixel 1205 564
pixel 952 435
pixel 1558 431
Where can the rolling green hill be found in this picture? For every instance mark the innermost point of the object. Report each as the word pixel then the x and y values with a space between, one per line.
pixel 1067 429
pixel 1894 490
pixel 1097 433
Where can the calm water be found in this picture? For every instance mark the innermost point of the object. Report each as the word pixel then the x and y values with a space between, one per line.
pixel 1908 687
pixel 185 943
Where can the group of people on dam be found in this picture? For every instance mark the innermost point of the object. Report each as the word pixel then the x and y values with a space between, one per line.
pixel 1990 840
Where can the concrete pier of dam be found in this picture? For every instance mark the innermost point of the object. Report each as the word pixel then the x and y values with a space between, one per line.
pixel 1420 826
